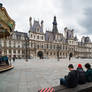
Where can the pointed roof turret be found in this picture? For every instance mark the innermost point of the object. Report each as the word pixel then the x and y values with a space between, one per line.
pixel 55 30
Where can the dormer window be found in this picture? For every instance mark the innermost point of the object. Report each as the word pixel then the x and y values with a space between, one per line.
pixel 37 29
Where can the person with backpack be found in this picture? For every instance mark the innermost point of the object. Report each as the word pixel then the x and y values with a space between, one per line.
pixel 88 72
pixel 81 74
pixel 71 80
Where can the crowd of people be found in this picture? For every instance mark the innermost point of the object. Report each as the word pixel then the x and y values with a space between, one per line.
pixel 77 76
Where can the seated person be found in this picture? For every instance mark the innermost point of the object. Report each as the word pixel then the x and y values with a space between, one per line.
pixel 71 80
pixel 88 72
pixel 81 74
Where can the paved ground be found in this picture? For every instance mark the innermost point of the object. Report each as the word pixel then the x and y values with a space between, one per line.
pixel 35 74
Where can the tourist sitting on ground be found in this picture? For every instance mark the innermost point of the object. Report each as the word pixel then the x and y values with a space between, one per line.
pixel 81 74
pixel 88 72
pixel 71 80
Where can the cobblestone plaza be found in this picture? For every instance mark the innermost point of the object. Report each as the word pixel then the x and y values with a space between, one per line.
pixel 35 74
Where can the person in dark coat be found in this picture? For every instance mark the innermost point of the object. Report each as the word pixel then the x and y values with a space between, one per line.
pixel 70 56
pixel 81 74
pixel 88 72
pixel 13 59
pixel 71 80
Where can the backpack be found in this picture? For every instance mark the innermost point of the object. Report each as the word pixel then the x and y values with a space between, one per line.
pixel 81 77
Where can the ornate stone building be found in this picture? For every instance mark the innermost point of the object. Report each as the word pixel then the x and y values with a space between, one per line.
pixel 50 44
pixel 15 45
pixel 54 44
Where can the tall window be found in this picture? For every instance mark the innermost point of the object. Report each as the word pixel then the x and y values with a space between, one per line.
pixel 54 46
pixel 42 37
pixel 37 37
pixel 18 46
pixel 47 53
pixel 18 51
pixel 50 53
pixel 47 46
pixel 0 43
pixel 34 36
pixel 42 46
pixel 9 51
pixel 50 46
pixel 9 43
pixel 38 46
pixel 37 29
pixel 23 52
pixel 14 51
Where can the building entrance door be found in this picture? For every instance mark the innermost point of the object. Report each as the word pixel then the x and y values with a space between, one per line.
pixel 40 54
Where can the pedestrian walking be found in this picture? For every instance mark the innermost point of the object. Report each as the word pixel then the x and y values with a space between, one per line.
pixel 13 59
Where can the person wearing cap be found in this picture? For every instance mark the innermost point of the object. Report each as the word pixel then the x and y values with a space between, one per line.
pixel 81 74
pixel 71 80
pixel 88 72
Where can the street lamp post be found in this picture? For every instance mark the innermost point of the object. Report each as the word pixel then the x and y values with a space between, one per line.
pixel 58 48
pixel 27 49
pixel 35 49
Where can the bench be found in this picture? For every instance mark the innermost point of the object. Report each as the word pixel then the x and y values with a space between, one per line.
pixel 80 88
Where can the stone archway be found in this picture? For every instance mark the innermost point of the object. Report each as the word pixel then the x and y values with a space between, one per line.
pixel 71 54
pixel 40 54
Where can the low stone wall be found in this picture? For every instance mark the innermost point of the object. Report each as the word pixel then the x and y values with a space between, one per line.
pixel 80 88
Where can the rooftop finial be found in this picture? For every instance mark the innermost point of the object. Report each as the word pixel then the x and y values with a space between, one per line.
pixel 54 18
pixel 54 22
pixel 42 22
pixel 30 19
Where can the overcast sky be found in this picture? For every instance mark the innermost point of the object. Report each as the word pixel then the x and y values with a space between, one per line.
pixel 75 14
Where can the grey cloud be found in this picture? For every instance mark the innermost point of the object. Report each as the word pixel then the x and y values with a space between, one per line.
pixel 76 14
pixel 87 22
pixel 69 13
